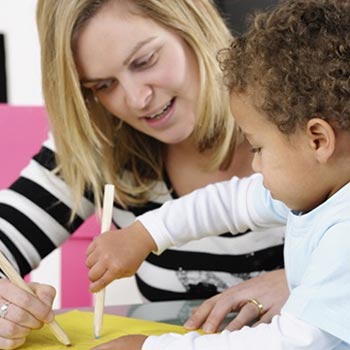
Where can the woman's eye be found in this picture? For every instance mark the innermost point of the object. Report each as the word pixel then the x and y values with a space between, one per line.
pixel 256 149
pixel 103 85
pixel 144 62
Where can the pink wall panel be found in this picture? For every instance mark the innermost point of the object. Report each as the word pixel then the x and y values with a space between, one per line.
pixel 74 282
pixel 22 131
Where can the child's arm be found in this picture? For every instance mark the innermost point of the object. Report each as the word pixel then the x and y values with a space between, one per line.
pixel 284 332
pixel 235 206
pixel 117 254
pixel 230 206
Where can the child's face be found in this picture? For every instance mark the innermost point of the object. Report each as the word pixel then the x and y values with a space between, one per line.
pixel 287 163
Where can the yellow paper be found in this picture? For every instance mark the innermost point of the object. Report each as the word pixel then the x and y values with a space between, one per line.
pixel 79 327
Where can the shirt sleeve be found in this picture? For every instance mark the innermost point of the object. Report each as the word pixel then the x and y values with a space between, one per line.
pixel 35 212
pixel 285 332
pixel 235 206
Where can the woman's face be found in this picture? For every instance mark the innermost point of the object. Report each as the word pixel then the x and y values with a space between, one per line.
pixel 141 72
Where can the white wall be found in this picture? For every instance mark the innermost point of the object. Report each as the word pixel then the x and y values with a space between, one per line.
pixel 17 22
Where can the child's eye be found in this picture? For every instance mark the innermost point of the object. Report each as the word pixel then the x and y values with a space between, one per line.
pixel 144 62
pixel 255 149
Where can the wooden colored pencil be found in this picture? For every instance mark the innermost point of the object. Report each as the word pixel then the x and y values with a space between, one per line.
pixel 108 200
pixel 17 280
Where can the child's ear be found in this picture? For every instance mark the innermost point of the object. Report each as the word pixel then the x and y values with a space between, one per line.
pixel 321 138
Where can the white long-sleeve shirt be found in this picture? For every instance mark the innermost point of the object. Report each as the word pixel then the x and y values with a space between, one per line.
pixel 285 332
pixel 316 315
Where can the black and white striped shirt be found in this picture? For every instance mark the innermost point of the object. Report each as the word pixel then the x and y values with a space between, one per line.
pixel 34 216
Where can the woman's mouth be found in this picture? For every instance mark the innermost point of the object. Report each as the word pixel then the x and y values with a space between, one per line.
pixel 162 113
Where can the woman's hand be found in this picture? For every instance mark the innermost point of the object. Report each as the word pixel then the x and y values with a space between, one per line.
pixel 117 254
pixel 23 312
pixel 270 289
pixel 127 342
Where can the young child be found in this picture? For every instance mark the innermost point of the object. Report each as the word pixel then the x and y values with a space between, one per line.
pixel 289 78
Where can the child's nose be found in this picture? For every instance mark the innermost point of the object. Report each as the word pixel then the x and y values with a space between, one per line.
pixel 256 164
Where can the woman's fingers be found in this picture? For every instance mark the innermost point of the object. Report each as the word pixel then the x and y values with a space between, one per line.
pixel 11 330
pixel 21 312
pixel 44 292
pixel 267 317
pixel 7 344
pixel 210 314
pixel 15 315
pixel 199 315
pixel 25 301
pixel 248 313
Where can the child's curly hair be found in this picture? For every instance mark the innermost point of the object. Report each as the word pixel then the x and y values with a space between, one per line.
pixel 295 60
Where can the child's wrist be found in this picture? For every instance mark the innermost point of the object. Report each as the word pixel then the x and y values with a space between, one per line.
pixel 144 235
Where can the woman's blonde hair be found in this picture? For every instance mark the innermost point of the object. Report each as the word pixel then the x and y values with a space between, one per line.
pixel 92 148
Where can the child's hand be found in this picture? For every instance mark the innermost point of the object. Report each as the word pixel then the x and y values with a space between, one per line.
pixel 127 342
pixel 117 254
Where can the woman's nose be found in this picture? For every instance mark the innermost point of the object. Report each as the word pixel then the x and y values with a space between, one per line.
pixel 138 95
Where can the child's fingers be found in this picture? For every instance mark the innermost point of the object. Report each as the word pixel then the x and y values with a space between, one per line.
pixel 97 271
pixel 91 248
pixel 102 282
pixel 91 260
pixel 97 285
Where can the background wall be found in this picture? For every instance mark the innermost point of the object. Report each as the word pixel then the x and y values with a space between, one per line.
pixel 3 80
pixel 17 23
pixel 237 11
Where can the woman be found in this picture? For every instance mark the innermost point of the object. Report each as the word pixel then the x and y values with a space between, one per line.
pixel 134 96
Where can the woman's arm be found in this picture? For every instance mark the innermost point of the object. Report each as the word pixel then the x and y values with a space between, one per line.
pixel 34 220
pixel 35 212
pixel 269 288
